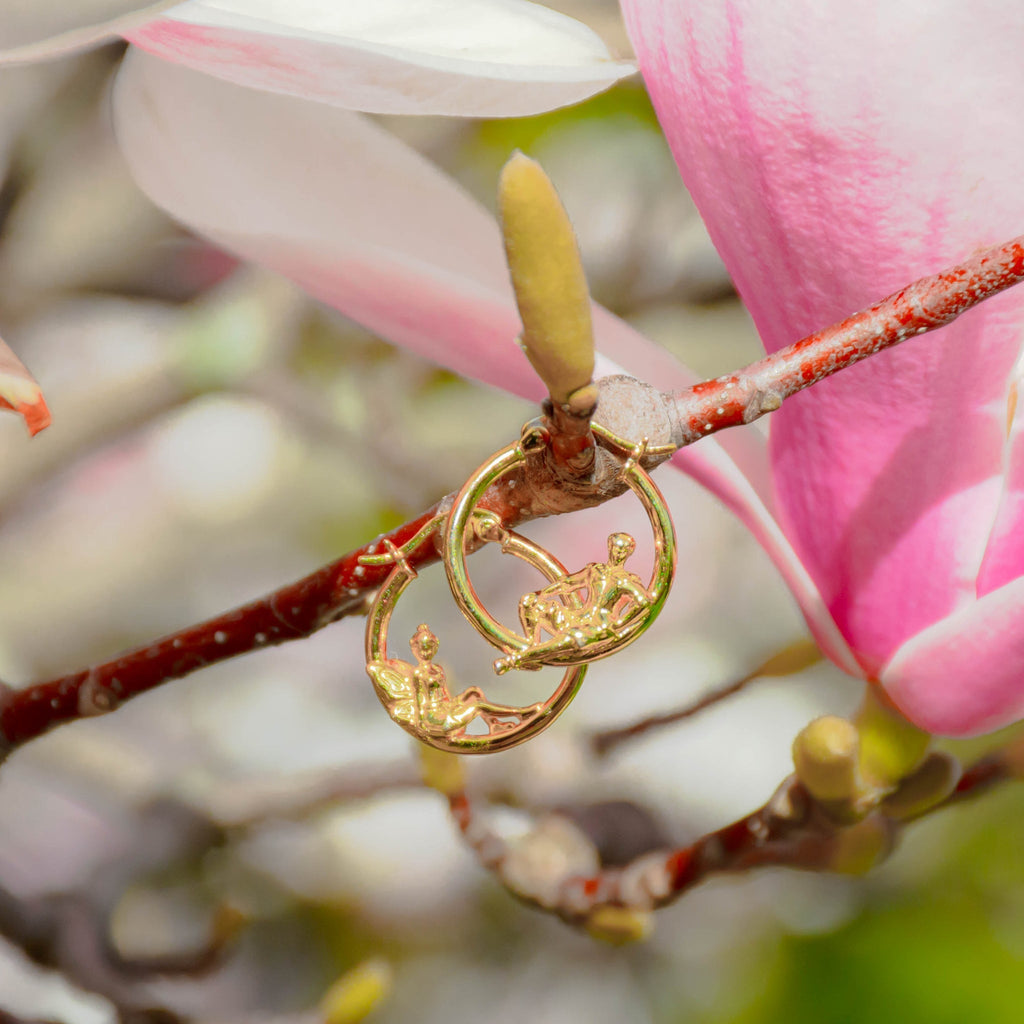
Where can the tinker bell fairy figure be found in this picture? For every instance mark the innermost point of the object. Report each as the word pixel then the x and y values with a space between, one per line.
pixel 418 696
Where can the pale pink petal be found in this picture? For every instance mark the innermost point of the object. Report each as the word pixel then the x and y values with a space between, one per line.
pixel 837 153
pixel 486 58
pixel 341 206
pixel 368 226
pixel 962 676
pixel 20 393
pixel 713 466
pixel 1004 555
pixel 35 30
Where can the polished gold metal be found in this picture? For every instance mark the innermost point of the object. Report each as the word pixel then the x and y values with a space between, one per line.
pixel 416 695
pixel 577 618
pixel 587 615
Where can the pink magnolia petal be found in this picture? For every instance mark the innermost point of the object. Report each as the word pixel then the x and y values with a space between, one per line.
pixel 42 29
pixel 711 466
pixel 817 142
pixel 488 58
pixel 20 393
pixel 367 225
pixel 1004 554
pixel 962 676
pixel 889 498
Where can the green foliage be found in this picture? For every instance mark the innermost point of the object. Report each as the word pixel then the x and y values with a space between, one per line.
pixel 933 960
pixel 626 103
pixel 945 952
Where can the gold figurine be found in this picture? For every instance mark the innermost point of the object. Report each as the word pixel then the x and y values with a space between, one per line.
pixel 610 597
pixel 418 694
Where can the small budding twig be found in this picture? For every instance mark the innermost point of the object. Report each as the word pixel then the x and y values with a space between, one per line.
pixel 344 587
pixel 787 830
pixel 792 829
pixel 605 741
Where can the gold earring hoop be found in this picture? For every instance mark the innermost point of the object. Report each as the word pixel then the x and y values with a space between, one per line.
pixel 416 696
pixel 587 615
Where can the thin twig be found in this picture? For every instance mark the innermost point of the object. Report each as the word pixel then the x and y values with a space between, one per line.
pixel 251 803
pixel 67 933
pixel 604 741
pixel 7 1017
pixel 794 658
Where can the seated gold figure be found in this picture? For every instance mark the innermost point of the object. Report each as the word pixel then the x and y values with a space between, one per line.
pixel 418 696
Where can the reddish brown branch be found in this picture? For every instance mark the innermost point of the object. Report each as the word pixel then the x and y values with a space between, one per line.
pixel 540 486
pixel 296 610
pixel 571 439
pixel 548 487
pixel 923 306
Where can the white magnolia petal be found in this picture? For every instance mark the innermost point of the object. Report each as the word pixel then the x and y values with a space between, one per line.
pixel 370 227
pixel 340 205
pixel 32 30
pixel 480 58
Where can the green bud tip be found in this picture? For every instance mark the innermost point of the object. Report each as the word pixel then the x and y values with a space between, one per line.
pixel 825 756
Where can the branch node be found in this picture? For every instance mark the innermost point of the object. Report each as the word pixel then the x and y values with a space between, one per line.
pixel 761 401
pixel 95 699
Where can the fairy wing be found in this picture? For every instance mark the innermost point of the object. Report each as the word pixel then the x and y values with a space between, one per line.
pixel 394 680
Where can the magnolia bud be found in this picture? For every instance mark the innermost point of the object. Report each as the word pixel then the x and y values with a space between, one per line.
pixel 619 926
pixel 548 280
pixel 825 756
pixel 351 998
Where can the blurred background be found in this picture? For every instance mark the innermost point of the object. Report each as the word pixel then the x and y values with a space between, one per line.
pixel 229 845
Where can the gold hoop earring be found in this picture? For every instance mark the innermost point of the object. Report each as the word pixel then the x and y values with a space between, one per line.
pixel 587 615
pixel 417 696
pixel 617 609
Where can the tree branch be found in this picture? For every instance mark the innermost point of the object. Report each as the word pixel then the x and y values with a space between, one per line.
pixel 544 487
pixel 790 830
pixel 929 303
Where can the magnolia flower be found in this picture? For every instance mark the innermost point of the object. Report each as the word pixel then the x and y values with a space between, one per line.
pixel 836 153
pixel 835 156
pixel 484 58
